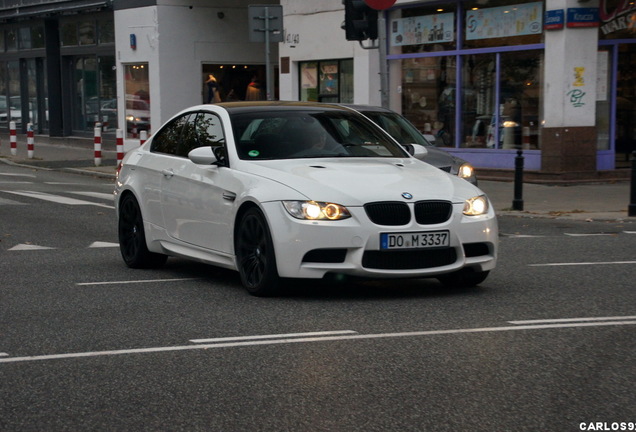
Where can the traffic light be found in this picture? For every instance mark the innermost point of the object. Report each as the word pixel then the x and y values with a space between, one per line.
pixel 361 21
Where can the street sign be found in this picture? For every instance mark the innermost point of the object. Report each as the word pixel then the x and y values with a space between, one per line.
pixel 264 19
pixel 379 4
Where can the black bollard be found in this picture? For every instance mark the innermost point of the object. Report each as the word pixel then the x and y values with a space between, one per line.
pixel 517 202
pixel 631 211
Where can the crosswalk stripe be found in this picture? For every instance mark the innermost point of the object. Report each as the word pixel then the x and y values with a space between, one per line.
pixel 56 198
pixel 99 244
pixel 100 195
pixel 24 247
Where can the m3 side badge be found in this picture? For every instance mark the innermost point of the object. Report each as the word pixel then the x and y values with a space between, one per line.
pixel 407 195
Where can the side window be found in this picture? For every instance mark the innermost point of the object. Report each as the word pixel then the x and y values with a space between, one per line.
pixel 188 139
pixel 202 129
pixel 210 130
pixel 167 139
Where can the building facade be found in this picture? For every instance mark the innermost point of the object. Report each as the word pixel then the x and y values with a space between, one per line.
pixel 484 77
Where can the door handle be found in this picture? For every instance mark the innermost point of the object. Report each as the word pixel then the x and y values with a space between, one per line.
pixel 167 173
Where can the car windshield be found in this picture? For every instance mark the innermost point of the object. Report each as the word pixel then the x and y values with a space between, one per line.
pixel 398 127
pixel 309 134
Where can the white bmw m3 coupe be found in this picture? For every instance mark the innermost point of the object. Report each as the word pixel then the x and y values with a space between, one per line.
pixel 280 190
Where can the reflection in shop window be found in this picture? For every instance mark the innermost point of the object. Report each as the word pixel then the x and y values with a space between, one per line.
pixel 519 103
pixel 11 37
pixel 428 96
pixel 106 31
pixel 86 33
pixel 327 81
pixel 137 99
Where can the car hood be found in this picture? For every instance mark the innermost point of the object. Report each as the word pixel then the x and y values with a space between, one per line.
pixel 350 181
pixel 441 159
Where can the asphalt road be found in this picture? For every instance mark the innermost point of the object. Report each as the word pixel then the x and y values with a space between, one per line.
pixel 546 343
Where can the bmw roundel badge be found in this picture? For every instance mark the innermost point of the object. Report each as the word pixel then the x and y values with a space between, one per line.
pixel 407 195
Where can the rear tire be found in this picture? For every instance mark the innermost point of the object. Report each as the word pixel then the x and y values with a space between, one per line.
pixel 464 278
pixel 132 238
pixel 255 255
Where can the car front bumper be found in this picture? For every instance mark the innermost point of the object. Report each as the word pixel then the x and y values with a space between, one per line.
pixel 313 249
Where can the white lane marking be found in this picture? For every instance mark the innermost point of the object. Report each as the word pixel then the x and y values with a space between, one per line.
pixel 272 336
pixel 52 198
pixel 57 198
pixel 522 236
pixel 10 202
pixel 99 244
pixel 17 175
pixel 24 247
pixel 16 182
pixel 310 339
pixel 566 320
pixel 134 282
pixel 100 195
pixel 581 263
pixel 589 235
pixel 629 232
pixel 4 354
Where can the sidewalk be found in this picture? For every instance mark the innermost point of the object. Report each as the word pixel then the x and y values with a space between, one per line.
pixel 585 201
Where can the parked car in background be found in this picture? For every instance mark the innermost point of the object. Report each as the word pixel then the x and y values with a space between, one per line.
pixel 406 133
pixel 137 114
pixel 298 190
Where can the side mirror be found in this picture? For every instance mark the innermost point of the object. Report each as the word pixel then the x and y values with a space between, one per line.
pixel 416 150
pixel 203 156
pixel 419 151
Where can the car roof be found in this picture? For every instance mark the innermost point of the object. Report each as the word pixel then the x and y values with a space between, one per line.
pixel 367 108
pixel 258 106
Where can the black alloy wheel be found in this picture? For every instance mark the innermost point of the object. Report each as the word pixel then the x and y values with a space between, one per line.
pixel 132 239
pixel 255 255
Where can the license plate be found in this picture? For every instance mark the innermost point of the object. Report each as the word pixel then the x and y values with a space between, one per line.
pixel 415 240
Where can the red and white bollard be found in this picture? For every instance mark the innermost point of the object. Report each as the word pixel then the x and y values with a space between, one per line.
pixel 98 144
pixel 143 136
pixel 525 131
pixel 30 141
pixel 13 138
pixel 120 146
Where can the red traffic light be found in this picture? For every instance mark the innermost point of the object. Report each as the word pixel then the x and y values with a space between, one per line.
pixel 379 4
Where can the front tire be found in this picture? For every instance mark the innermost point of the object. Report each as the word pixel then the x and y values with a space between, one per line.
pixel 255 255
pixel 132 238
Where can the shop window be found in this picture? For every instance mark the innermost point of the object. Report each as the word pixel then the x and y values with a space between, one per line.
pixel 625 125
pixel 327 81
pixel 108 93
pixel 2 45
pixel 37 36
pixel 137 86
pixel 4 104
pixel 86 32
pixel 479 100
pixel 232 82
pixel 520 89
pixel 24 38
pixel 69 34
pixel 428 96
pixel 106 31
pixel 492 23
pixel 603 99
pixel 11 39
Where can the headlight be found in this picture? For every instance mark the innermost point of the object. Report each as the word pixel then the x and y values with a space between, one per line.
pixel 466 171
pixel 312 210
pixel 476 206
